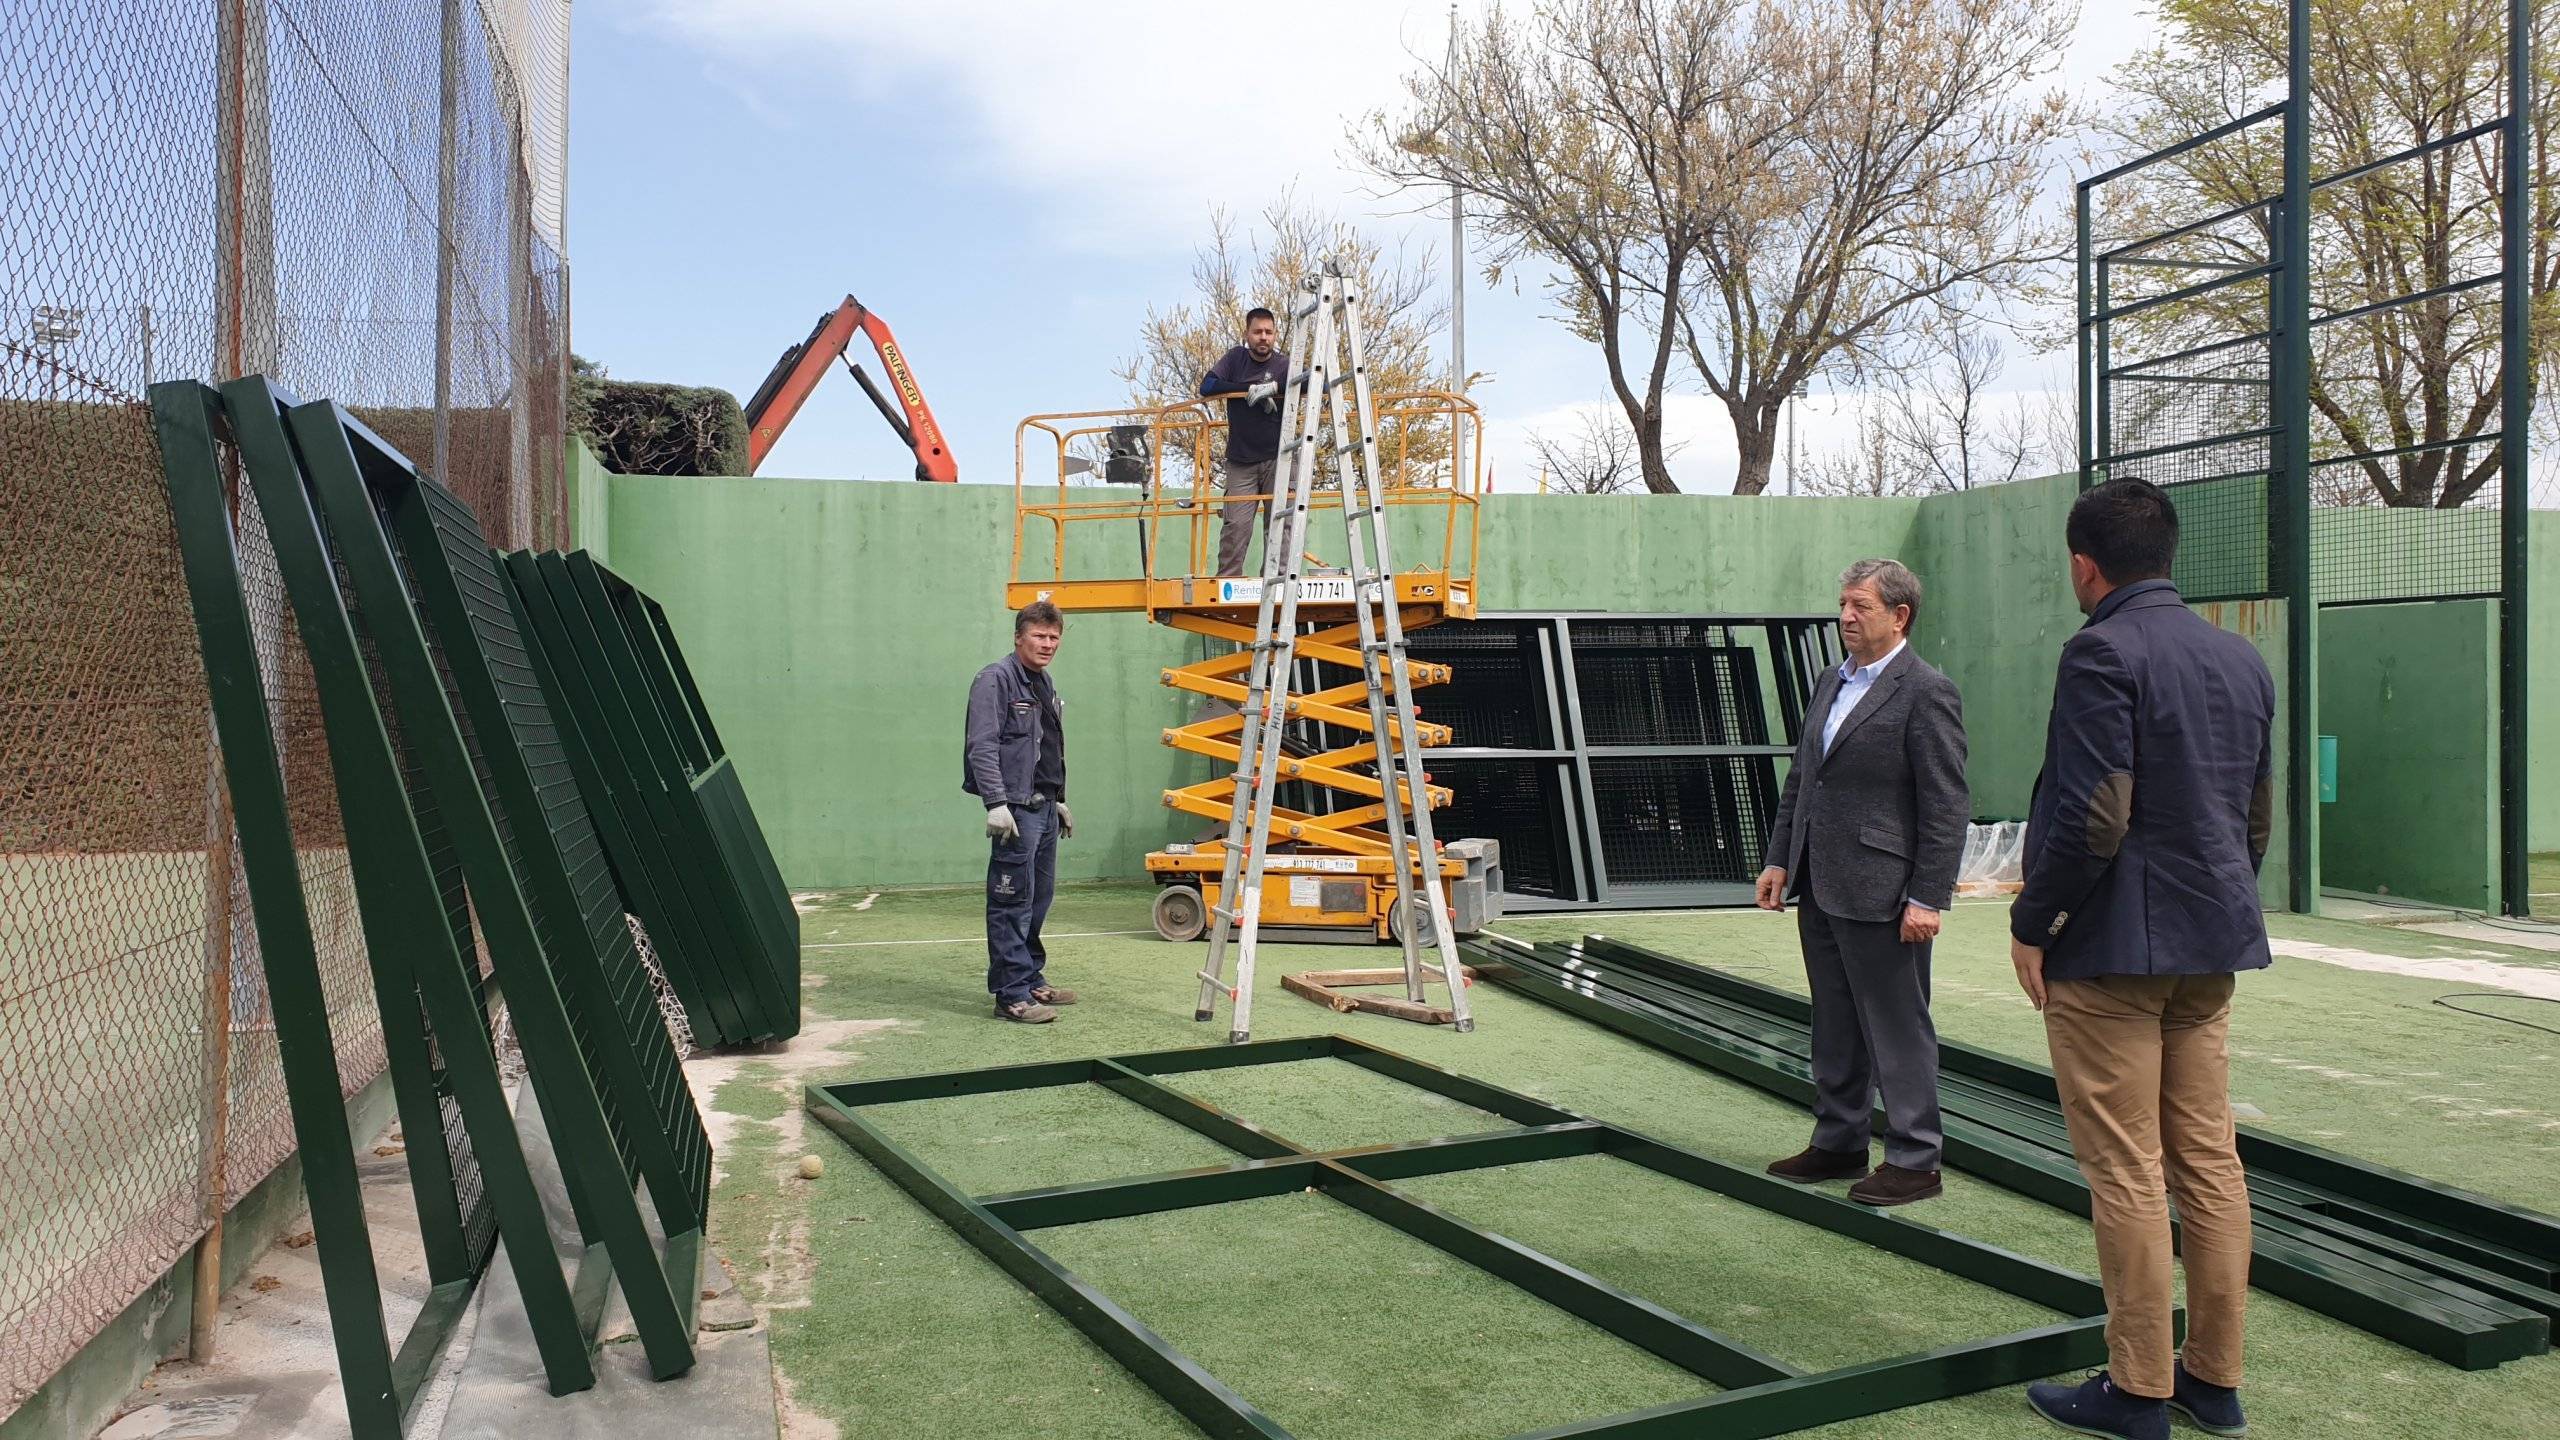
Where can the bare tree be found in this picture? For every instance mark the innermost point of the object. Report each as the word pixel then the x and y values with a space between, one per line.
pixel 1944 425
pixel 1907 180
pixel 1594 140
pixel 1866 467
pixel 1598 458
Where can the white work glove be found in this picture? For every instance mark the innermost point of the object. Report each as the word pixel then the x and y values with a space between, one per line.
pixel 1001 825
pixel 1260 395
pixel 1066 820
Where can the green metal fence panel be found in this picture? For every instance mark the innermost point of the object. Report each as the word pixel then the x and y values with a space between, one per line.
pixel 682 834
pixel 378 1385
pixel 627 799
pixel 423 955
pixel 612 1094
pixel 1772 1397
pixel 719 824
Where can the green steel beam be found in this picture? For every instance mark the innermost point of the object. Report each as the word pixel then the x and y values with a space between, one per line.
pixel 1857 1391
pixel 2290 365
pixel 2515 470
pixel 1774 1397
pixel 1202 1398
pixel 1088 1200
pixel 1715 1358
pixel 2429 1313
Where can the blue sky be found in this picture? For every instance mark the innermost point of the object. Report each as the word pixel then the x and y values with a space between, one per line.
pixel 1010 183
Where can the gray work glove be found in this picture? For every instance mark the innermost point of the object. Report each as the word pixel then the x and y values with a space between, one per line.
pixel 1263 396
pixel 1066 820
pixel 1001 825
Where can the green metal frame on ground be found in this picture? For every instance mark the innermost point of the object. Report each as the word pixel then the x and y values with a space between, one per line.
pixel 2458 1276
pixel 1761 1395
pixel 468 1173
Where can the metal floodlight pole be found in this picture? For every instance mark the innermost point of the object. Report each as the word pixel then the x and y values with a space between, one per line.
pixel 2515 480
pixel 2292 482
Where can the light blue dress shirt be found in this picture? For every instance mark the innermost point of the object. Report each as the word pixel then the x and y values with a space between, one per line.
pixel 1855 681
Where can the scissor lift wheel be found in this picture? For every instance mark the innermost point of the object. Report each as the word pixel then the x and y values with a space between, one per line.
pixel 1180 915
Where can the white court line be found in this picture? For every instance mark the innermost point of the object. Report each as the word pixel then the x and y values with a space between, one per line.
pixel 972 939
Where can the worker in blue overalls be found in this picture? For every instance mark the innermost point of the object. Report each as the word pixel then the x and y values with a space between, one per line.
pixel 1015 762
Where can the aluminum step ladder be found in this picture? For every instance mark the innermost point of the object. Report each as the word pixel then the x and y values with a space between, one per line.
pixel 1326 401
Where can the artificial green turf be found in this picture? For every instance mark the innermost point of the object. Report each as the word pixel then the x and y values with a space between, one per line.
pixel 1023 1139
pixel 1729 1266
pixel 1334 1104
pixel 1337 1324
pixel 903 1330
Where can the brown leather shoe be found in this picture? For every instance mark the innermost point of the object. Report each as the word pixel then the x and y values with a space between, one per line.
pixel 1893 1185
pixel 1816 1165
pixel 1025 1012
pixel 1052 995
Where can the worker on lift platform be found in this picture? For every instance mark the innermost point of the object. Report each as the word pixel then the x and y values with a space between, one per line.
pixel 1253 372
pixel 1015 761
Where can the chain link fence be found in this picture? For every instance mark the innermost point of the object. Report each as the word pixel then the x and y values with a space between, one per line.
pixel 363 200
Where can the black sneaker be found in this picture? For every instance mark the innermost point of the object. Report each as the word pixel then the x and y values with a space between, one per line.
pixel 1025 1012
pixel 2213 1409
pixel 2096 1407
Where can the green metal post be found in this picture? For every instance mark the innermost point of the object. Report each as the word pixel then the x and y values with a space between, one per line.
pixel 2088 404
pixel 2515 480
pixel 2293 468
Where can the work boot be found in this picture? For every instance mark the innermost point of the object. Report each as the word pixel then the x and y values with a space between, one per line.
pixel 2213 1409
pixel 1052 995
pixel 2096 1407
pixel 1894 1185
pixel 1025 1012
pixel 1815 1165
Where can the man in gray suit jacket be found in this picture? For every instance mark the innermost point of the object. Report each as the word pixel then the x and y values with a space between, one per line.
pixel 1868 835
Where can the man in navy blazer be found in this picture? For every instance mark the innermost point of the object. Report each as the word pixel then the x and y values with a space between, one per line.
pixel 2140 904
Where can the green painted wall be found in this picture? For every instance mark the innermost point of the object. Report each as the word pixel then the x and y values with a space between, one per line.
pixel 590 522
pixel 836 625
pixel 2417 807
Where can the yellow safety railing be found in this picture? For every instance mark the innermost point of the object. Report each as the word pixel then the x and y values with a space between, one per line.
pixel 1157 472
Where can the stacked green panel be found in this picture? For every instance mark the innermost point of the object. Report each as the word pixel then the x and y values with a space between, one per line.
pixel 674 820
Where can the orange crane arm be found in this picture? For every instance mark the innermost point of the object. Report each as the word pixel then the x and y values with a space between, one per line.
pixel 800 368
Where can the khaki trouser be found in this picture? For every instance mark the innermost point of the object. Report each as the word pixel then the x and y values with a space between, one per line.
pixel 2143 1063
pixel 1243 512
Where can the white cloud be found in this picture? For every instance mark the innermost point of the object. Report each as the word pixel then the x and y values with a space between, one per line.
pixel 1123 119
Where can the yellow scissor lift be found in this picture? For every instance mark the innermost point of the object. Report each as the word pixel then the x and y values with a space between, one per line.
pixel 1329 875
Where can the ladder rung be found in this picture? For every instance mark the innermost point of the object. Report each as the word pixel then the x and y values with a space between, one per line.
pixel 1224 988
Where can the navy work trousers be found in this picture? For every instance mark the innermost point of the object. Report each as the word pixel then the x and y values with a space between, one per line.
pixel 1021 876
